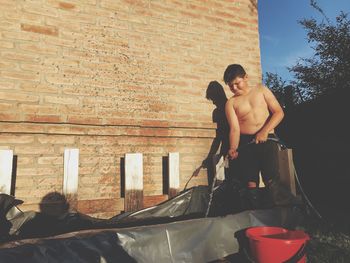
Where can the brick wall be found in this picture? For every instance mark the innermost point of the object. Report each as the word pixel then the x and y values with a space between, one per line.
pixel 111 77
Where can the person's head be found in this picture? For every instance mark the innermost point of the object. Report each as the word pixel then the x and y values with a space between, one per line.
pixel 215 93
pixel 236 78
pixel 54 204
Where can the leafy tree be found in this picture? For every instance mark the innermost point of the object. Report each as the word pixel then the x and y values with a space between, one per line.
pixel 328 69
pixel 274 82
pixel 287 95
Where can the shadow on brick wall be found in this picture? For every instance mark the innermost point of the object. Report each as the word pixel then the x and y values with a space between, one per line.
pixel 220 144
pixel 54 204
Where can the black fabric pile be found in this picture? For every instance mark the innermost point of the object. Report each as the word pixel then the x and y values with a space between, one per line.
pixel 173 231
pixel 228 198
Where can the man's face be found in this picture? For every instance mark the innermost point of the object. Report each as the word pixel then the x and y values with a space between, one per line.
pixel 238 85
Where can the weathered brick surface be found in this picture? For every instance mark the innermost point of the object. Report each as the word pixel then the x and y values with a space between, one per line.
pixel 112 77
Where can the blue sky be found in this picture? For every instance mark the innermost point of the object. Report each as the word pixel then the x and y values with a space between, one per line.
pixel 282 38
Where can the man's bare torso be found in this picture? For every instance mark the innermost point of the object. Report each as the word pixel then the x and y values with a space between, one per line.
pixel 251 110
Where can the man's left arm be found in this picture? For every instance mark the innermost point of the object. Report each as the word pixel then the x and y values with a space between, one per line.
pixel 276 115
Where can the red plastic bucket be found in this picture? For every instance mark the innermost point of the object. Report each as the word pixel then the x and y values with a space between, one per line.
pixel 277 244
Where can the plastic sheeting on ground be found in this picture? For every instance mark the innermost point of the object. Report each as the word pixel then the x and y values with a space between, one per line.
pixel 173 231
pixel 191 203
pixel 196 240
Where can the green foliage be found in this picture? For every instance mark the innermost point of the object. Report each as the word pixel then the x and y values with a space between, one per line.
pixel 274 82
pixel 328 69
pixel 286 95
pixel 329 243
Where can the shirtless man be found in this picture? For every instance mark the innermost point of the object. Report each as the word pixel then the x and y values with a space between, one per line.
pixel 252 114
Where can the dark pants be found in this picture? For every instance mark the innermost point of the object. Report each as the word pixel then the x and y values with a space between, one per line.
pixel 254 158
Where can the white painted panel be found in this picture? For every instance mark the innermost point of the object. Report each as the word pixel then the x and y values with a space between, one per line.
pixel 261 182
pixel 174 170
pixel 6 159
pixel 71 171
pixel 133 171
pixel 219 166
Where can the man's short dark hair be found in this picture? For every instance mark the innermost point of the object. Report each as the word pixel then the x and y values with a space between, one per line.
pixel 233 71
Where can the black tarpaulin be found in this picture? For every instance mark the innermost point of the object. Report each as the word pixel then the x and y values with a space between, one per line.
pixel 196 240
pixel 173 231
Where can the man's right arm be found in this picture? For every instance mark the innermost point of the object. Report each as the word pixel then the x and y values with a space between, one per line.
pixel 234 129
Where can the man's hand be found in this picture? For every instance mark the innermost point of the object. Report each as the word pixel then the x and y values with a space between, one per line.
pixel 232 154
pixel 261 137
